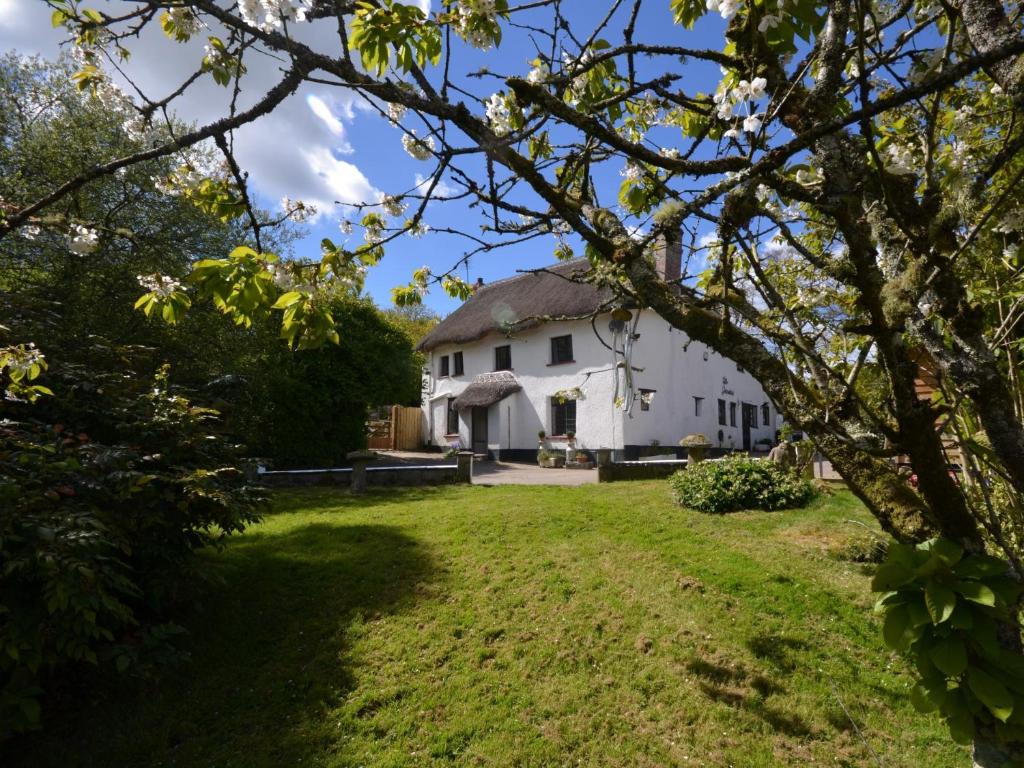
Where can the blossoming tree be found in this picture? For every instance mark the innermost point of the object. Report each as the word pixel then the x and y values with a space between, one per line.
pixel 858 163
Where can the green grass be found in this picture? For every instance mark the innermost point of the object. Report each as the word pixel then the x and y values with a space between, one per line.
pixel 519 626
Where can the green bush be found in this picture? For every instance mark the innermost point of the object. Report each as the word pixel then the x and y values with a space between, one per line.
pixel 739 482
pixel 107 490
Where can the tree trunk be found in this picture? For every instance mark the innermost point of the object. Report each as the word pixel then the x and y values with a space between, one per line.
pixel 989 752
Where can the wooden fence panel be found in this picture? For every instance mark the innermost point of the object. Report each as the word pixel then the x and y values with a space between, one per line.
pixel 406 428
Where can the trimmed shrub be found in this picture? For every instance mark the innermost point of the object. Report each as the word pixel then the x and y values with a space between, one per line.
pixel 739 482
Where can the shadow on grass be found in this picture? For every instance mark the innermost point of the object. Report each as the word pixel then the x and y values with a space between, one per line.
pixel 734 686
pixel 269 658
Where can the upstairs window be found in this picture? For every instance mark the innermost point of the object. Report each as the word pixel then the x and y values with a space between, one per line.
pixel 766 415
pixel 732 414
pixel 503 358
pixel 563 416
pixel 646 396
pixel 457 359
pixel 444 365
pixel 721 412
pixel 453 418
pixel 561 349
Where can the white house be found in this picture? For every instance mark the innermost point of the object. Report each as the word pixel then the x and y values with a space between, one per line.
pixel 498 372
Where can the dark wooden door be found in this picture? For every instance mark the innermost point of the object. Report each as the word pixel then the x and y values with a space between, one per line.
pixel 480 431
pixel 749 420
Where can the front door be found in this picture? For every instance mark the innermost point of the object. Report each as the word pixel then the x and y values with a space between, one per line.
pixel 749 418
pixel 480 431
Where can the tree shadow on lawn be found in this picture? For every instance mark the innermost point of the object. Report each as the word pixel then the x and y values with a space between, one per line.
pixel 268 658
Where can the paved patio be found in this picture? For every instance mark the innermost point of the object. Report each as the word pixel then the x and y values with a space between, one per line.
pixel 501 473
pixel 493 472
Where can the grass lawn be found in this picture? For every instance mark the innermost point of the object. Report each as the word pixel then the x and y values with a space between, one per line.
pixel 522 626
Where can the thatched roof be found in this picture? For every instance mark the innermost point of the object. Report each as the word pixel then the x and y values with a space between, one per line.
pixel 487 389
pixel 517 303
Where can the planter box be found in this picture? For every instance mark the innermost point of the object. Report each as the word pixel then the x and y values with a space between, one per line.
pixel 579 465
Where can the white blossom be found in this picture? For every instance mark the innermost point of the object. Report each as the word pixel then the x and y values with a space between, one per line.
pixel 768 21
pixel 757 87
pixel 396 112
pixel 631 171
pixel 899 160
pixel 82 240
pixel 752 124
pixel 20 360
pixel 184 21
pixel 498 114
pixel 161 285
pixel 727 8
pixel 539 74
pixel 418 149
pixel 269 15
pixel 345 226
pixel 297 210
pixel 419 229
pixel 732 133
pixel 393 205
pixel 670 152
pixel 1010 252
pixel 473 19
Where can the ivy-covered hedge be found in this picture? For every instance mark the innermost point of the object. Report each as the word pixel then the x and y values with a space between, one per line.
pixel 739 482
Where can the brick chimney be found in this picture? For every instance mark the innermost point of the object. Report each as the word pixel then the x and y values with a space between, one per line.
pixel 668 255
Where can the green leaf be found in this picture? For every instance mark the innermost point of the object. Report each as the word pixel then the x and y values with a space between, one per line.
pixel 959 720
pixel 950 656
pixel 940 601
pixel 927 696
pixel 976 592
pixel 890 576
pixel 897 622
pixel 991 693
pixel 287 299
pixel 980 566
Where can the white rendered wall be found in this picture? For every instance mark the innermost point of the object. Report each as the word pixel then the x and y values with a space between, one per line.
pixel 677 375
pixel 677 370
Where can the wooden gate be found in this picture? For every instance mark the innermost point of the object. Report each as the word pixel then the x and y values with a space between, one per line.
pixel 401 431
pixel 405 428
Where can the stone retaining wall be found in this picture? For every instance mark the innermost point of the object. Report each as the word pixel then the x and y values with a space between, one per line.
pixel 442 474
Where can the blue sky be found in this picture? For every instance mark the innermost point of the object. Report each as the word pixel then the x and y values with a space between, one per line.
pixel 323 145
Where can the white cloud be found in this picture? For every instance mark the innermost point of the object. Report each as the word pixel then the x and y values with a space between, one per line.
pixel 443 188
pixel 292 151
pixel 340 181
pixel 321 110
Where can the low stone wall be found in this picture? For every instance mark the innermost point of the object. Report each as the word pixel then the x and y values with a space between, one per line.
pixel 638 470
pixel 442 474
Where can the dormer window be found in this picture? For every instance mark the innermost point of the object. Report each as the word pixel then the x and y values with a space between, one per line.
pixel 445 360
pixel 457 360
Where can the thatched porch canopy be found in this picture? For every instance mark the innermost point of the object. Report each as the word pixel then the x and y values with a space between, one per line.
pixel 487 389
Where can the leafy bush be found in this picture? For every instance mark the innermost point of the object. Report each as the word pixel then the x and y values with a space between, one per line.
pixel 106 492
pixel 739 482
